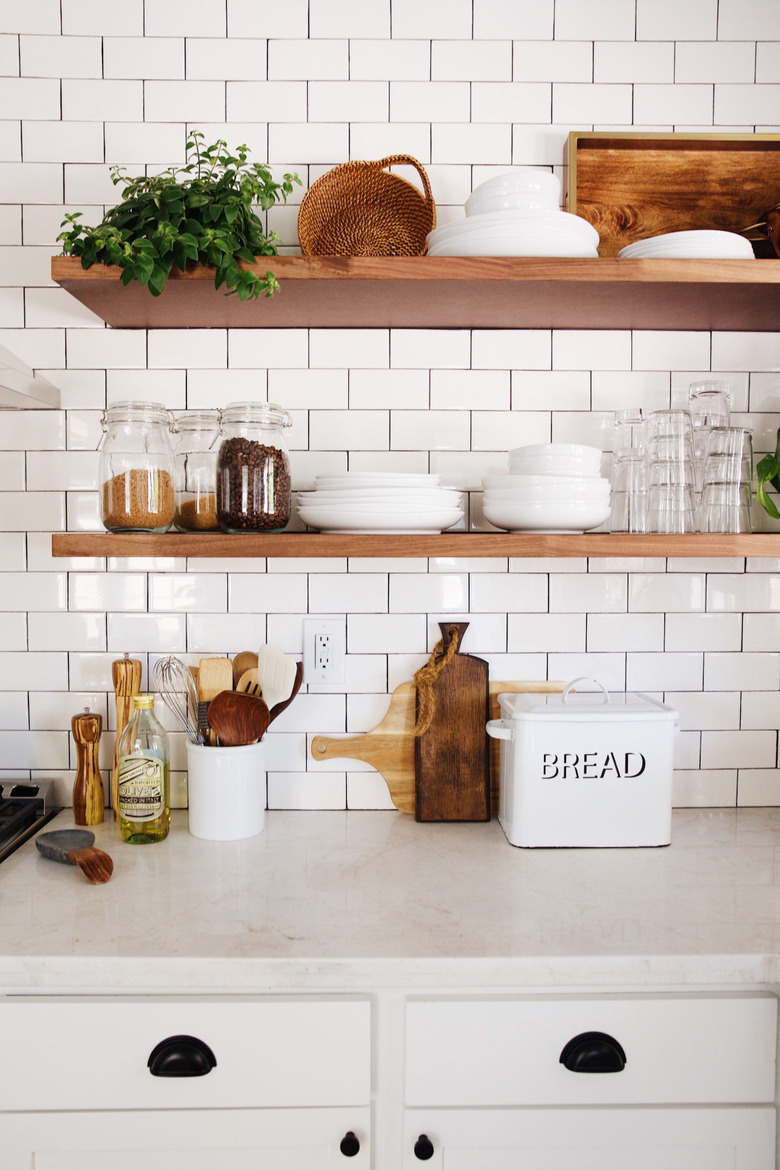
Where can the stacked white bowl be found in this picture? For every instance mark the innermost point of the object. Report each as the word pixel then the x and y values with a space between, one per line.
pixel 380 501
pixel 695 245
pixel 516 214
pixel 551 487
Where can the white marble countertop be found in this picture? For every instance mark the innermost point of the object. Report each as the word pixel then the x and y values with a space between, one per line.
pixel 362 900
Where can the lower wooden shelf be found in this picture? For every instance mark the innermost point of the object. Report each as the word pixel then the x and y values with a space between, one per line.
pixel 445 544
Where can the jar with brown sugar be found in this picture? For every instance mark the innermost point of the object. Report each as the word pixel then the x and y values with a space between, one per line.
pixel 195 471
pixel 136 468
pixel 253 468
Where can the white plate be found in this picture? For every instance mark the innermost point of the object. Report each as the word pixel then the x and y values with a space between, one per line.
pixel 336 520
pixel 351 479
pixel 571 450
pixel 384 500
pixel 524 179
pixel 690 245
pixel 477 246
pixel 560 224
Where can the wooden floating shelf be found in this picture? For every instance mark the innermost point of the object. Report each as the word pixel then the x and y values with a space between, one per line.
pixel 447 544
pixel 449 292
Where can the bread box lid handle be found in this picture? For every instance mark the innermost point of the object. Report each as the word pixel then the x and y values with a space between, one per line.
pixel 584 678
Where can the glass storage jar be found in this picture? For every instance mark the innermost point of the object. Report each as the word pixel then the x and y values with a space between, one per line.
pixel 253 468
pixel 136 468
pixel 195 471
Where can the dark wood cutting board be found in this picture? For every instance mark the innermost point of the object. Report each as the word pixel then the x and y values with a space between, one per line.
pixel 452 758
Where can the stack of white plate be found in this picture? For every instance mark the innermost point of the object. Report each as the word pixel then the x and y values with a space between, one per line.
pixel 516 214
pixel 380 501
pixel 552 487
pixel 697 245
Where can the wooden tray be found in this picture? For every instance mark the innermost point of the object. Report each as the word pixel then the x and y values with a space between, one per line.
pixel 634 185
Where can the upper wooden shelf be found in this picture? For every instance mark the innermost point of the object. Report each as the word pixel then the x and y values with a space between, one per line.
pixel 450 292
pixel 446 544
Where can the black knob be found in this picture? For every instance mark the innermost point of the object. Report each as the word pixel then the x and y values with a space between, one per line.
pixel 349 1145
pixel 423 1148
pixel 593 1052
pixel 181 1056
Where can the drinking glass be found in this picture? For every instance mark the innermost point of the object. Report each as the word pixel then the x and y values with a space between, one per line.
pixel 727 480
pixel 629 480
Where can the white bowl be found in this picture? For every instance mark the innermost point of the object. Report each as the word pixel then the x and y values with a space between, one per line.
pixel 547 515
pixel 390 497
pixel 520 481
pixel 572 450
pixel 518 223
pixel 523 179
pixel 576 490
pixel 510 199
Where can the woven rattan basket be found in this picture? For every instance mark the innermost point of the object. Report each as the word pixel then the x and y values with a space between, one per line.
pixel 359 209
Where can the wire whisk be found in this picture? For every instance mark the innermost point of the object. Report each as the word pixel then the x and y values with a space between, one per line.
pixel 173 680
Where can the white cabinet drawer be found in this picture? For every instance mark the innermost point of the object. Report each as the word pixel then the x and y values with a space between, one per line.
pixel 71 1053
pixel 678 1050
pixel 729 1138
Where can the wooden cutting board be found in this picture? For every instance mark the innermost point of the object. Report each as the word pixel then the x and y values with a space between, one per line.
pixel 451 760
pixel 389 747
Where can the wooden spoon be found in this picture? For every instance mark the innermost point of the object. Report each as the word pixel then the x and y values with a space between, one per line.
pixel 76 847
pixel 237 718
pixel 245 660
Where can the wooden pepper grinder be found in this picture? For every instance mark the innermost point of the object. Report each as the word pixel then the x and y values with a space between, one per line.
pixel 126 676
pixel 88 800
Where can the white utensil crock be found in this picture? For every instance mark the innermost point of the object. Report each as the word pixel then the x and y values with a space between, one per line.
pixel 226 791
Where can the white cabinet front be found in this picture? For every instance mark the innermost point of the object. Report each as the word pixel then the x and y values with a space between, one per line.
pixel 590 1139
pixel 241 1139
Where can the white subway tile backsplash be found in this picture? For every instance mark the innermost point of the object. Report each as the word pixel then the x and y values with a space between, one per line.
pixel 31 97
pixel 656 350
pixel 760 709
pixel 44 17
pixel 45 749
pixel 470 390
pixel 187 592
pixel 166 18
pixel 267 101
pixel 56 56
pixel 677 592
pixel 664 20
pixel 643 61
pixel 32 511
pixel 216 59
pixel 374 633
pixel 290 790
pixel 13 711
pixel 607 669
pixel 300 60
pixel 744 672
pixel 429 101
pixel 743 592
pixel 477 142
pixel 748 20
pixel 575 104
pixel 83 17
pixel 340 592
pixel 530 19
pixel 337 348
pixel 269 593
pixel 523 350
pixel 758 787
pixel 471 60
pixel 704 631
pixel 95 349
pixel 715 711
pixel 545 633
pixel 625 631
pixel 552 60
pixel 182 101
pixel 104 100
pixel 496 101
pixel 389 60
pixel 603 20
pixel 676 104
pixel 578 349
pixel 741 103
pixel 153 58
pixel 177 348
pixel 436 592
pixel 332 18
pixel 588 592
pixel 31 182
pixel 33 591
pixel 704 789
pixel 614 391
pixel 439 430
pixel 317 143
pixel 348 101
pixel 723 61
pixel 61 141
pixel 67 631
pixel 558 390
pixel 739 749
pixel 760 631
pixel 662 672
pixel 389 389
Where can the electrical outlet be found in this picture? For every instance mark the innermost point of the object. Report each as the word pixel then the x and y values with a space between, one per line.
pixel 324 651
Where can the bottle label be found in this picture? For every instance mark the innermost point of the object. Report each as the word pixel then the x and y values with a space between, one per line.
pixel 141 784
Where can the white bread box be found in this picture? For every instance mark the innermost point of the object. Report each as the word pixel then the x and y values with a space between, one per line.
pixel 586 769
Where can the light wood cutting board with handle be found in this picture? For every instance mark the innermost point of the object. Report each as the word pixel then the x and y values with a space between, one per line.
pixel 389 747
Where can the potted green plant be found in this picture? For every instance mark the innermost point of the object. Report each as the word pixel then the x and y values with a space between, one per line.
pixel 201 213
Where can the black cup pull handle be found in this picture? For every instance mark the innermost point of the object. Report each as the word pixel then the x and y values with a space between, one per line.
pixel 181 1056
pixel 423 1148
pixel 350 1145
pixel 593 1052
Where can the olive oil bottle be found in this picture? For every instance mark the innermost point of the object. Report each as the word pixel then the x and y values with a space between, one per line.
pixel 143 803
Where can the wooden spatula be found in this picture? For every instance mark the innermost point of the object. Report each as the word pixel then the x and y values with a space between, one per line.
pixel 238 719
pixel 214 675
pixel 76 847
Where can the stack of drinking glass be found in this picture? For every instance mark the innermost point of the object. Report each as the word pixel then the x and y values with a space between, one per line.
pixel 682 470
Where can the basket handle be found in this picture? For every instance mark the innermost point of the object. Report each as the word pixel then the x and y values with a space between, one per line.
pixel 400 160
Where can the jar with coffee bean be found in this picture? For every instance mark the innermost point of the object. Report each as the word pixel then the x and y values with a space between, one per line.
pixel 136 468
pixel 253 468
pixel 195 471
